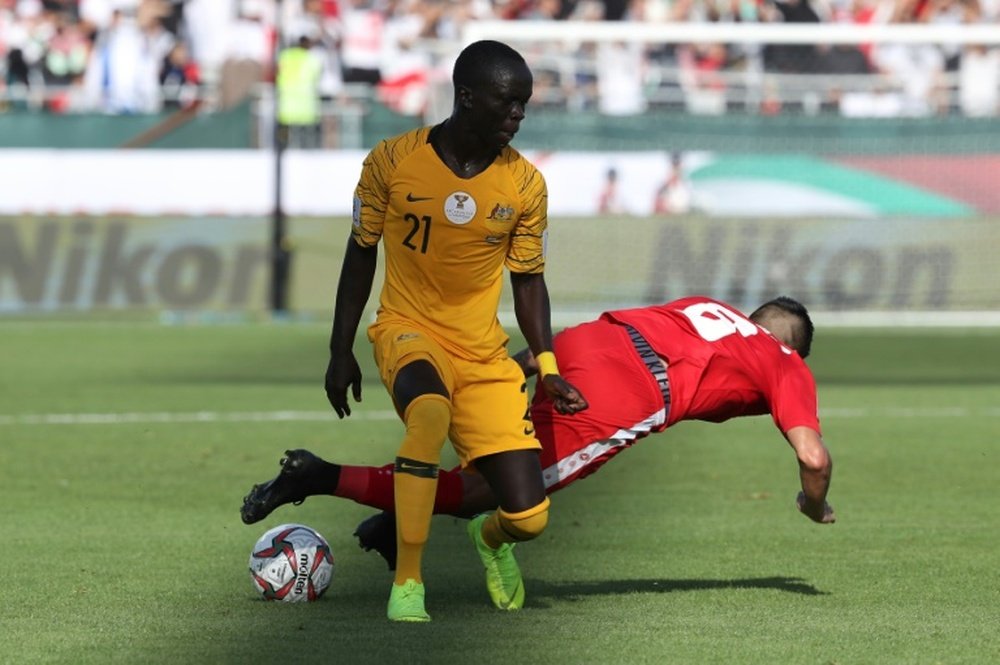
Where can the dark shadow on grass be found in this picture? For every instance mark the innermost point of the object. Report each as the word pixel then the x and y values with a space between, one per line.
pixel 571 590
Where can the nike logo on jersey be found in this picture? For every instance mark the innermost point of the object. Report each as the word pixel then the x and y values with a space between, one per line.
pixel 413 199
pixel 528 431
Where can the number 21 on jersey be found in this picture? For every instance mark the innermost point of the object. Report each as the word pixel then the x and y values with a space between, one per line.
pixel 420 232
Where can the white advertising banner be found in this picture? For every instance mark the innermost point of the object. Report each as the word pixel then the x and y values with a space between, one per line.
pixel 219 182
pixel 241 182
pixel 581 184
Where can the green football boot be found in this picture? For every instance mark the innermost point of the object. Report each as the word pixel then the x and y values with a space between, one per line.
pixel 503 577
pixel 406 602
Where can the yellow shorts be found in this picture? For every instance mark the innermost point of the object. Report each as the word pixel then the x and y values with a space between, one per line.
pixel 489 399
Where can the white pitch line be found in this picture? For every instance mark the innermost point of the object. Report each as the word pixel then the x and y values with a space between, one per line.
pixel 164 417
pixel 189 417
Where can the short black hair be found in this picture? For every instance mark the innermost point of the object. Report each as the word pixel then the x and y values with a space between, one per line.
pixel 478 60
pixel 784 307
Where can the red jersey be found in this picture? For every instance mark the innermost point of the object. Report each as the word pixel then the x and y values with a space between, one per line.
pixel 722 365
pixel 719 363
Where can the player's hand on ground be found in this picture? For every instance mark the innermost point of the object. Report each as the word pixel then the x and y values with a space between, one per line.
pixel 340 373
pixel 821 514
pixel 566 399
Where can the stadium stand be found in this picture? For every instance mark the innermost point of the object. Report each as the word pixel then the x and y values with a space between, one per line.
pixel 147 56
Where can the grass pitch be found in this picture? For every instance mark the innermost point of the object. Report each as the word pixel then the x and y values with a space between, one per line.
pixel 125 450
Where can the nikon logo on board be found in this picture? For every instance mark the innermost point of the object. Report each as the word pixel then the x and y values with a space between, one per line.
pixel 174 264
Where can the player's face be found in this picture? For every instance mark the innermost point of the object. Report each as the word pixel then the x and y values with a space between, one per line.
pixel 499 104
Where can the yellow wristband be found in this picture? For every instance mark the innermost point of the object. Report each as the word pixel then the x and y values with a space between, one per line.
pixel 547 363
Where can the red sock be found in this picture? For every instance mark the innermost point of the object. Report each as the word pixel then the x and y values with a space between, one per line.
pixel 450 489
pixel 368 485
pixel 372 486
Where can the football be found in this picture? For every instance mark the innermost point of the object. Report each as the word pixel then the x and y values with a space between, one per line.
pixel 291 563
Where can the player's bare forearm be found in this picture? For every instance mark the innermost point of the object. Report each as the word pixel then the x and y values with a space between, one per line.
pixel 815 472
pixel 531 307
pixel 356 277
pixel 353 289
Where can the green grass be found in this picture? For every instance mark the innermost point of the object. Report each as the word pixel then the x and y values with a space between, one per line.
pixel 124 545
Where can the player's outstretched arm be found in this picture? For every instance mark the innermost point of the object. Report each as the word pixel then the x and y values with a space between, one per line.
pixel 815 470
pixel 356 277
pixel 531 306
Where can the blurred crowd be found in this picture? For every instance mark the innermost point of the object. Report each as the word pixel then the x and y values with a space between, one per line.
pixel 139 56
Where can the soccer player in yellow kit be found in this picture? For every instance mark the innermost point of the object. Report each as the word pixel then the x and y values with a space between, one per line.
pixel 453 206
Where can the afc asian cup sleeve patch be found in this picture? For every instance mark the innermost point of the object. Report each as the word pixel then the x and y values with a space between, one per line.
pixel 545 243
pixel 356 212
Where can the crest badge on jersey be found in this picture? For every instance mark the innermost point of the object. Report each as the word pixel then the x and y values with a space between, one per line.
pixel 499 223
pixel 502 213
pixel 459 207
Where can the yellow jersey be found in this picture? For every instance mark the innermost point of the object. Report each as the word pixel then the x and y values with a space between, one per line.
pixel 447 239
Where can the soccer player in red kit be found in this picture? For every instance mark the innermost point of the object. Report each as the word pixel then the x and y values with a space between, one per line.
pixel 643 370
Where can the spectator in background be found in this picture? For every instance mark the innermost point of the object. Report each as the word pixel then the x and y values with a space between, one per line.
pixel 247 56
pixel 98 13
pixel 917 69
pixel 173 16
pixel 209 28
pixel 362 28
pixel 179 78
pixel 863 12
pixel 978 72
pixel 66 54
pixel 457 14
pixel 581 84
pixel 700 66
pixel 543 10
pixel 298 80
pixel 405 66
pixel 157 41
pixel 620 71
pixel 979 81
pixel 792 58
pixel 702 78
pixel 609 200
pixel 320 20
pixel 674 196
pixel 124 69
pixel 23 34
pixel 230 42
pixel 16 78
pixel 615 10
pixel 945 13
pixel 65 61
pixel 67 8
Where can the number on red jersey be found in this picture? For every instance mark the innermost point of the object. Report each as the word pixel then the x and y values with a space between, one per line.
pixel 714 321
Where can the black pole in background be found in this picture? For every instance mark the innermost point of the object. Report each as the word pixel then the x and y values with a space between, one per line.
pixel 280 254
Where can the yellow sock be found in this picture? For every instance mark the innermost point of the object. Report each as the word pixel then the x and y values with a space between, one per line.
pixel 503 527
pixel 427 420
